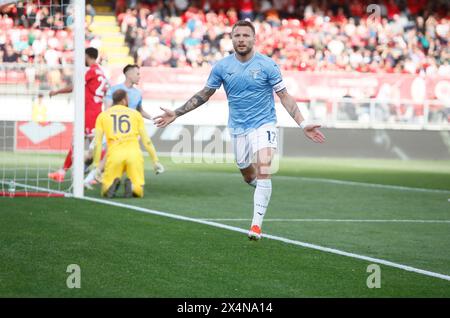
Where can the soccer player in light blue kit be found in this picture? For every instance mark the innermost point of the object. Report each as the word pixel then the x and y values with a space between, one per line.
pixel 249 79
pixel 132 76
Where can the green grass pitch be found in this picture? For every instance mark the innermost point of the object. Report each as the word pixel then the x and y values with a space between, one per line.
pixel 124 253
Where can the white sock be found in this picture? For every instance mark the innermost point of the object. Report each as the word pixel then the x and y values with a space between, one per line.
pixel 252 183
pixel 261 200
pixel 91 176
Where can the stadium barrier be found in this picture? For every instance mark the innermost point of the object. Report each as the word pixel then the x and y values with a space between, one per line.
pixel 211 144
pixel 388 116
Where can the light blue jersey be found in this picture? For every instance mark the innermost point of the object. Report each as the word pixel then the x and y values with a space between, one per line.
pixel 249 87
pixel 134 95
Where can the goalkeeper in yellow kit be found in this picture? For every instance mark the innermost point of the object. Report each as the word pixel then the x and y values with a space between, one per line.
pixel 122 127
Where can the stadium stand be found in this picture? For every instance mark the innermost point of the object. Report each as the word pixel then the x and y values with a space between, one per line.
pixel 408 37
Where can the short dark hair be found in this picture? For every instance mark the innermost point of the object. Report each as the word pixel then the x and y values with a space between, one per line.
pixel 92 52
pixel 244 23
pixel 129 67
pixel 118 96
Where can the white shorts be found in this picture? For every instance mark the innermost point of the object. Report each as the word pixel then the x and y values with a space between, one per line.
pixel 246 145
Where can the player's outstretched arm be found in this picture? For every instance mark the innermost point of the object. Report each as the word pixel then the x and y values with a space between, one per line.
pixel 64 90
pixel 310 131
pixel 195 101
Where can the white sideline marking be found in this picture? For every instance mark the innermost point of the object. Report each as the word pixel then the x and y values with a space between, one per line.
pixel 365 184
pixel 276 238
pixel 334 220
pixel 23 185
pixel 351 183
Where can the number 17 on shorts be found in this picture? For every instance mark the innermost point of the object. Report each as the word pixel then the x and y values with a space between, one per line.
pixel 255 147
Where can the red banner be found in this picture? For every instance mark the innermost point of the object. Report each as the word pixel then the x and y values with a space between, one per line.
pixel 55 136
pixel 181 84
pixel 12 77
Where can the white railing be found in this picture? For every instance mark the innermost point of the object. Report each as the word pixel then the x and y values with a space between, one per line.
pixel 381 114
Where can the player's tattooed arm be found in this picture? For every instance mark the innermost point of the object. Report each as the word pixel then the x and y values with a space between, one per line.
pixel 290 105
pixel 195 101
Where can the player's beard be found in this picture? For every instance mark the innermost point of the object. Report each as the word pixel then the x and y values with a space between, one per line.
pixel 244 53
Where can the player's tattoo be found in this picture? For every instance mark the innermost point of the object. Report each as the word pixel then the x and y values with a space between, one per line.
pixel 293 111
pixel 289 103
pixel 195 101
pixel 292 108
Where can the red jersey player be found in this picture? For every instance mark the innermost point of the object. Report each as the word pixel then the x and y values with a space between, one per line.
pixel 95 89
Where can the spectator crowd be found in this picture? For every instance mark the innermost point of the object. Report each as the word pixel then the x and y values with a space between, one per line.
pixel 334 35
pixel 395 36
pixel 37 35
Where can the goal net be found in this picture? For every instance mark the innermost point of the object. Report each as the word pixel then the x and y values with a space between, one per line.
pixel 36 131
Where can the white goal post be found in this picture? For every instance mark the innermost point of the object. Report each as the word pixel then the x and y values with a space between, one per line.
pixel 78 132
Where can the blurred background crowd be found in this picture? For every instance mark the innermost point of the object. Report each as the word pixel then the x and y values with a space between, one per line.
pixel 394 36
